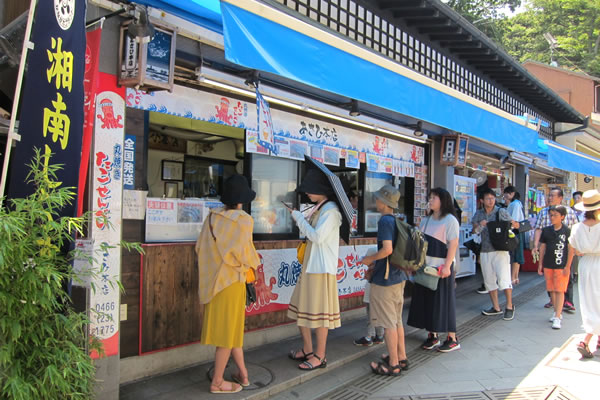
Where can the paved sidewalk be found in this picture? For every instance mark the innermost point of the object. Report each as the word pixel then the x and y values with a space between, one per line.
pixel 524 353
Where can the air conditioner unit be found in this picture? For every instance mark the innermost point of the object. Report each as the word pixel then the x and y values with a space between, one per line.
pixel 519 157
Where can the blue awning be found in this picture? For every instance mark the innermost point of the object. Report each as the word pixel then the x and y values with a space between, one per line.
pixel 278 43
pixel 571 160
pixel 206 13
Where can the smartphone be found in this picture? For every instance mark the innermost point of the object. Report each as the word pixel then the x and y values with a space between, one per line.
pixel 286 205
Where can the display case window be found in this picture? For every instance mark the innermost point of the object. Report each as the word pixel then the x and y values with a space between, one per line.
pixel 275 181
pixel 204 177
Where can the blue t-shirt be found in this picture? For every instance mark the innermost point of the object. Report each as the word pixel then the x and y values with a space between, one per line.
pixel 386 230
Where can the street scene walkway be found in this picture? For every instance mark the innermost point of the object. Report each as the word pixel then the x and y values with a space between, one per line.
pixel 519 359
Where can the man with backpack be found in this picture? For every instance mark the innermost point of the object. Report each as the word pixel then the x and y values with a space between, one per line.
pixel 387 286
pixel 495 264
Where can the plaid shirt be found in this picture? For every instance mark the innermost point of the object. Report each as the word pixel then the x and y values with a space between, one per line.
pixel 544 218
pixel 226 260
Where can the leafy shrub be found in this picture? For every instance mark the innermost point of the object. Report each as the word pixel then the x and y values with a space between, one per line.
pixel 43 342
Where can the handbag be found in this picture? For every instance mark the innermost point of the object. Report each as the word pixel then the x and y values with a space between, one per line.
pixel 250 276
pixel 525 226
pixel 426 280
pixel 301 249
pixel 500 236
pixel 473 246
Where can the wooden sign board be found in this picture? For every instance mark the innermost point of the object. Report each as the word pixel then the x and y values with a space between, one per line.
pixel 455 149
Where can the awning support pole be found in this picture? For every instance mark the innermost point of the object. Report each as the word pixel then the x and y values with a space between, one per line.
pixel 12 135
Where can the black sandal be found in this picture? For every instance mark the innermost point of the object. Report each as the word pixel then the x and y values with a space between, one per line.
pixel 404 364
pixel 392 370
pixel 303 357
pixel 309 366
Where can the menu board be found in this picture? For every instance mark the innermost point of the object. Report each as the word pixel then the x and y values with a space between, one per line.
pixel 175 220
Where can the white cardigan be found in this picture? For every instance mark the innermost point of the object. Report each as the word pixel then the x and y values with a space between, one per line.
pixel 324 238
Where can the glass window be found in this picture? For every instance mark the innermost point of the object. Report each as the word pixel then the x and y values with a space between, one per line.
pixel 274 180
pixel 204 178
pixel 373 182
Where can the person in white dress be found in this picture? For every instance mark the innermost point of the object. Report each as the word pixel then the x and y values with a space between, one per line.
pixel 585 242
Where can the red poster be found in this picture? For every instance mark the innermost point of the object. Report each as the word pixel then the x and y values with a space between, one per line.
pixel 92 53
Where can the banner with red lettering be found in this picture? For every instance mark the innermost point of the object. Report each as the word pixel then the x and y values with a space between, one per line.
pixel 92 52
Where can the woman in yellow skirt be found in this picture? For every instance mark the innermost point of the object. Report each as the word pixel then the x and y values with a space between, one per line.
pixel 225 254
pixel 314 303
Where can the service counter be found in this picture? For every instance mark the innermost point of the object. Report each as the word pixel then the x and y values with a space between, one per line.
pixel 170 314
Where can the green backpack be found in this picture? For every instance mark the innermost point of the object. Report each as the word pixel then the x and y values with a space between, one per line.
pixel 410 248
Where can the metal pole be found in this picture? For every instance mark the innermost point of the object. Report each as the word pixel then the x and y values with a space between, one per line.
pixel 12 135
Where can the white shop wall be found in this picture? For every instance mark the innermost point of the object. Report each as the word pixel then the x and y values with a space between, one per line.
pixel 222 151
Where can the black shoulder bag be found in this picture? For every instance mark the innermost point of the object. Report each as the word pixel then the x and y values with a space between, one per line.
pixel 499 235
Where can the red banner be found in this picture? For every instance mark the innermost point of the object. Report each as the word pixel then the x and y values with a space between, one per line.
pixel 90 83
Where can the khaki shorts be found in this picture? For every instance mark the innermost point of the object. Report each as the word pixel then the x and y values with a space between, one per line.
pixel 386 304
pixel 555 280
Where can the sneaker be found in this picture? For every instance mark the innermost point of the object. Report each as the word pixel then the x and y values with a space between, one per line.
pixel 548 304
pixel 431 342
pixel 482 289
pixel 364 341
pixel 449 345
pixel 569 307
pixel 491 311
pixel 378 340
pixel 556 323
pixel 509 314
pixel 553 317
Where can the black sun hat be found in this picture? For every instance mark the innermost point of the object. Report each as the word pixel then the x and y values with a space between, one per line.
pixel 236 190
pixel 315 182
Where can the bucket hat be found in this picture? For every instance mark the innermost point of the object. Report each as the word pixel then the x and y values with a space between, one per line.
pixel 236 190
pixel 388 195
pixel 315 182
pixel 591 201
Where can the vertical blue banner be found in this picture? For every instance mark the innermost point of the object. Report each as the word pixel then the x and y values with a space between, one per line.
pixel 51 110
pixel 129 162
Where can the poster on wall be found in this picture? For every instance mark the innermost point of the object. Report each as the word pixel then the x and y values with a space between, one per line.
pixel 252 145
pixel 282 146
pixel 298 149
pixel 279 270
pixel 316 151
pixel 352 160
pixel 331 156
pixel 373 163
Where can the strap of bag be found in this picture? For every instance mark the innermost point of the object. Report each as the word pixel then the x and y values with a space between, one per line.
pixel 210 226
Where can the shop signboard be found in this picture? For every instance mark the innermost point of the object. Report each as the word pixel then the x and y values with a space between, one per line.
pixel 52 103
pixel 279 270
pixel 107 182
pixel 454 150
pixel 129 162
pixel 305 135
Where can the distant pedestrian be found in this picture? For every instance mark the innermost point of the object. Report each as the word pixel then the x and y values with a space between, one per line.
pixel 553 260
pixel 512 198
pixel 577 198
pixel 555 198
pixel 585 241
pixel 435 310
pixel 495 264
pixel 387 286
pixel 315 303
pixel 225 254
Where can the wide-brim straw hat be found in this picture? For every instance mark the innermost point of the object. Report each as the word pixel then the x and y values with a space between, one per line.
pixel 591 201
pixel 389 196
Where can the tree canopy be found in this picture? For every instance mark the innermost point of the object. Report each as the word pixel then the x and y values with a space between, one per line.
pixel 575 24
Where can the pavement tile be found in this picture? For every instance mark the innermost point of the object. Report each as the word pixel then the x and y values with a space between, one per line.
pixel 501 383
pixel 449 387
pixel 512 372
pixel 460 375
pixel 475 365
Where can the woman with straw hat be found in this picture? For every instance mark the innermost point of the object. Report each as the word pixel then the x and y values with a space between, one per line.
pixel 585 242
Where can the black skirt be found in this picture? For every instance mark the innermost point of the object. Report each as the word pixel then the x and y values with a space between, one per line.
pixel 434 310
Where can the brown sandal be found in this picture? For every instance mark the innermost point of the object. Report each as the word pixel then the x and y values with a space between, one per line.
pixel 308 366
pixel 584 350
pixel 303 357
pixel 234 388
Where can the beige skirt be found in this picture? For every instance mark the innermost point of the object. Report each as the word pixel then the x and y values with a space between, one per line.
pixel 315 302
